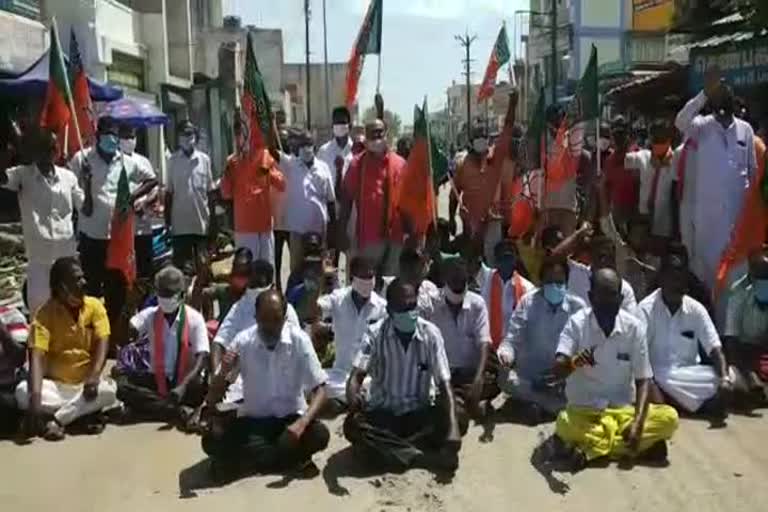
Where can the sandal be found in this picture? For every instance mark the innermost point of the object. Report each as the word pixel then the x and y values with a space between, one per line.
pixel 54 432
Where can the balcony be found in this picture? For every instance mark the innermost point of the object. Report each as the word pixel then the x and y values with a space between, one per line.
pixel 27 8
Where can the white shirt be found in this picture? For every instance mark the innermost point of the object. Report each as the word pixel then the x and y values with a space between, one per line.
pixel 673 340
pixel 242 316
pixel 46 211
pixel 308 190
pixel 189 180
pixel 104 179
pixel 620 360
pixel 275 381
pixel 349 323
pixel 144 323
pixel 463 334
pixel 662 197
pixel 145 220
pixel 578 284
pixel 426 298
pixel 328 153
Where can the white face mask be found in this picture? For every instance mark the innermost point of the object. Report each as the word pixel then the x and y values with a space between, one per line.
pixel 340 130
pixel 253 293
pixel 128 146
pixel 452 297
pixel 604 144
pixel 363 287
pixel 378 146
pixel 480 145
pixel 168 304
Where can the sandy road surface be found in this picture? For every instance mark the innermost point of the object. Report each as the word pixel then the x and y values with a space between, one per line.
pixel 145 468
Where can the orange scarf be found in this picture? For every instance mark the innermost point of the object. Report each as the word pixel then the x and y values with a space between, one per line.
pixel 182 360
pixel 496 306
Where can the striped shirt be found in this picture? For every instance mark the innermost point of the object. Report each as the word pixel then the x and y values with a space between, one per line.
pixel 401 381
pixel 745 319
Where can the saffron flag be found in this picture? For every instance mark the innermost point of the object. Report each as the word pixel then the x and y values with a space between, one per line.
pixel 368 42
pixel 569 141
pixel 749 232
pixel 499 56
pixel 416 191
pixel 58 97
pixel 257 109
pixel 81 97
pixel 120 250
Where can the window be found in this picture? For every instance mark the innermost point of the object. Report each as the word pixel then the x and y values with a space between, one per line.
pixel 126 70
pixel 27 8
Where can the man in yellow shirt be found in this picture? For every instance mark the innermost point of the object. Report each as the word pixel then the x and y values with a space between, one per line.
pixel 68 347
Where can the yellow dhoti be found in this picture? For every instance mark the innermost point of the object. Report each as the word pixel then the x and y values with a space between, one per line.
pixel 598 432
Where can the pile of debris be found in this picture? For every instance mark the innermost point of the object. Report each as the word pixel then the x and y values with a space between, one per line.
pixel 13 264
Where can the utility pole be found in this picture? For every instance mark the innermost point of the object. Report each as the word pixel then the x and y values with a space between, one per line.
pixel 327 77
pixel 308 101
pixel 554 51
pixel 466 41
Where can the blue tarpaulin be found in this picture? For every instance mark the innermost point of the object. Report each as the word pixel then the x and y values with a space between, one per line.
pixel 135 112
pixel 34 81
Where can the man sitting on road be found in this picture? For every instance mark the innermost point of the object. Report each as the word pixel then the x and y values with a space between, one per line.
pixel 13 350
pixel 413 270
pixel 602 351
pixel 178 354
pixel 532 337
pixel 70 339
pixel 404 355
pixel 676 325
pixel 275 429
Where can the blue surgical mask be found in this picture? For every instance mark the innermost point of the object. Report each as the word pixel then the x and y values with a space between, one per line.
pixel 761 290
pixel 405 321
pixel 554 293
pixel 108 143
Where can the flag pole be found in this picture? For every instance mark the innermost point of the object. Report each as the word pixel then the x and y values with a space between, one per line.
pixel 378 76
pixel 73 112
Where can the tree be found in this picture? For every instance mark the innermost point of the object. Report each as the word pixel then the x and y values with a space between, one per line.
pixel 394 123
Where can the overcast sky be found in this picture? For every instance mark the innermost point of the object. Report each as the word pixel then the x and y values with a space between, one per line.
pixel 419 56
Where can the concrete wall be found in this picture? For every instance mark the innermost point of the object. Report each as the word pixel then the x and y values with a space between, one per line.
pixel 177 22
pixel 22 40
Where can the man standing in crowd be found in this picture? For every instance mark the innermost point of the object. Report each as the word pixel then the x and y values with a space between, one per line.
pixel 70 338
pixel 310 197
pixel 275 428
pixel 99 170
pixel 144 207
pixel 188 201
pixel 48 195
pixel 621 186
pixel 676 326
pixel 337 152
pixel 725 161
pixel 602 351
pixel 248 182
pixel 404 356
pixel 370 185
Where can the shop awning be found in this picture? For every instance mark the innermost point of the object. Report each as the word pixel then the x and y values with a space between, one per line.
pixel 34 80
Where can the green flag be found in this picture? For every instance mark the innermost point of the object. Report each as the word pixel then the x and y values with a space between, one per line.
pixel 585 104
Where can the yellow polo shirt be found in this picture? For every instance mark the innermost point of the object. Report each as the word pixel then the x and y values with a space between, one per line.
pixel 67 341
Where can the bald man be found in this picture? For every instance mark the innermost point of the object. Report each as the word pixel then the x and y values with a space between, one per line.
pixel 276 429
pixel 601 352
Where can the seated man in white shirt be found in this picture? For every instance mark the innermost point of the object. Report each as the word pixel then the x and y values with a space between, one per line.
pixel 275 430
pixel 603 355
pixel 528 349
pixel 675 327
pixel 401 426
pixel 178 353
pixel 351 311
pixel 462 318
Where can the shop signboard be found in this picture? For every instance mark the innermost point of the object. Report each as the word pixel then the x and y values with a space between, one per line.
pixel 743 64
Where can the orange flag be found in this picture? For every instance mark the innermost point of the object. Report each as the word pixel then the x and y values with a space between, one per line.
pixel 416 193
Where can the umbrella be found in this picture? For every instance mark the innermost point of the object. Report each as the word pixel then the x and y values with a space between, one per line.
pixel 134 112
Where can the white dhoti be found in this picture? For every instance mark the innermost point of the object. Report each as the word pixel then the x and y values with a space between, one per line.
pixel 689 386
pixel 66 401
pixel 38 289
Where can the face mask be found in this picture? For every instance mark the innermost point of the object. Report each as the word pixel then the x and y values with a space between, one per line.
pixel 554 293
pixel 340 130
pixel 253 293
pixel 108 143
pixel 453 297
pixel 761 290
pixel 378 146
pixel 307 154
pixel 187 142
pixel 363 287
pixel 606 317
pixel 168 304
pixel 604 144
pixel 480 145
pixel 128 146
pixel 405 321
pixel 660 150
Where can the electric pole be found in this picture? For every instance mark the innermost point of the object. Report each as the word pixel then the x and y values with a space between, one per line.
pixel 554 52
pixel 466 41
pixel 308 101
pixel 327 77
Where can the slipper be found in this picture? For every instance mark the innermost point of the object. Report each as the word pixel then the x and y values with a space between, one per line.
pixel 54 432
